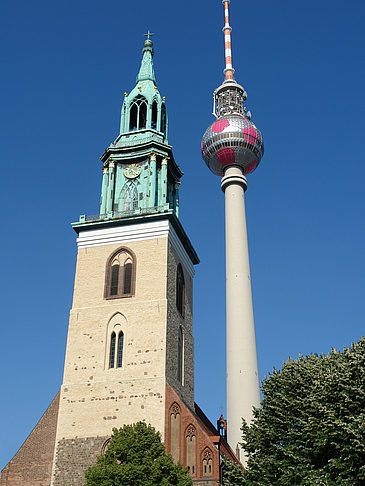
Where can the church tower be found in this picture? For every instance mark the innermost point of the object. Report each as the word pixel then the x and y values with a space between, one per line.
pixel 130 346
pixel 130 330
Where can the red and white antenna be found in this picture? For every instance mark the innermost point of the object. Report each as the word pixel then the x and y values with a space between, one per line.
pixel 229 71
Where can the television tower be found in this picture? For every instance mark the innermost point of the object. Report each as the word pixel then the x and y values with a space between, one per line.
pixel 232 147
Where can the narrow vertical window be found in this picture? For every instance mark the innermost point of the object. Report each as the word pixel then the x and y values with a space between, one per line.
pixel 127 200
pixel 127 284
pixel 120 350
pixel 163 120
pixel 154 115
pixel 112 351
pixel 180 356
pixel 180 290
pixel 133 117
pixel 114 280
pixel 190 450
pixel 142 115
pixel 175 432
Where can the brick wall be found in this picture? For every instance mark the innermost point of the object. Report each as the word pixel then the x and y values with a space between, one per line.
pixel 32 464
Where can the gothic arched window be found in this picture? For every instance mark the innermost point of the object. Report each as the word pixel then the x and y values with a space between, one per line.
pixel 180 290
pixel 154 115
pixel 163 120
pixel 175 431
pixel 138 113
pixel 133 117
pixel 116 350
pixel 190 450
pixel 112 350
pixel 142 115
pixel 120 349
pixel 120 274
pixel 207 463
pixel 180 356
pixel 129 197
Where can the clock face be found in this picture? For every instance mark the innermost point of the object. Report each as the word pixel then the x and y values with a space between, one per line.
pixel 132 171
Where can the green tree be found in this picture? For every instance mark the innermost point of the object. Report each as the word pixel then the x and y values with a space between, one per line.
pixel 233 474
pixel 136 457
pixel 310 429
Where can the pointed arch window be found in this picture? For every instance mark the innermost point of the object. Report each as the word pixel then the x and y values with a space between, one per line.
pixel 142 115
pixel 190 450
pixel 154 115
pixel 129 197
pixel 163 120
pixel 120 275
pixel 133 117
pixel 180 290
pixel 112 350
pixel 138 113
pixel 180 356
pixel 120 349
pixel 207 463
pixel 175 419
pixel 116 350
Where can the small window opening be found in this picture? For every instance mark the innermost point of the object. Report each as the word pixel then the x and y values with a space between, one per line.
pixel 163 120
pixel 120 350
pixel 154 115
pixel 127 286
pixel 114 280
pixel 112 350
pixel 142 116
pixel 133 117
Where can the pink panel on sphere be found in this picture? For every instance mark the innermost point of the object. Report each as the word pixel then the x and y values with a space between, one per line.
pixel 251 135
pixel 226 156
pixel 251 167
pixel 220 125
pixel 203 149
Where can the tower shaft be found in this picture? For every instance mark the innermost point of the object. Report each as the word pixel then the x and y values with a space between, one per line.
pixel 243 390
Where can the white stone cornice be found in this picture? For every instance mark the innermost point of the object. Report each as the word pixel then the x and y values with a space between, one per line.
pixel 136 232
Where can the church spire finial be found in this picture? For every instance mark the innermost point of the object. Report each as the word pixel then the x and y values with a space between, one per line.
pixel 146 71
pixel 148 35
pixel 229 71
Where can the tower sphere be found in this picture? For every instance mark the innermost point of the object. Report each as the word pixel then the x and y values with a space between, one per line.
pixel 232 140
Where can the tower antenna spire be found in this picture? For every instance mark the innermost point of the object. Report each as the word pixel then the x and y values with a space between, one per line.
pixel 227 29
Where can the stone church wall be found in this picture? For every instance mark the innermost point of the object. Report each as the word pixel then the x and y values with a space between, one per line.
pixel 175 320
pixel 74 457
pixel 32 465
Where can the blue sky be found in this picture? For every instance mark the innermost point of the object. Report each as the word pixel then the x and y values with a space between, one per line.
pixel 65 66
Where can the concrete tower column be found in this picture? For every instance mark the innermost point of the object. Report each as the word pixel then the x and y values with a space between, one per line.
pixel 243 391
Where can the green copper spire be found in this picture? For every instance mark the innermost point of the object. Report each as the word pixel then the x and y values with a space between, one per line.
pixel 141 179
pixel 143 108
pixel 146 71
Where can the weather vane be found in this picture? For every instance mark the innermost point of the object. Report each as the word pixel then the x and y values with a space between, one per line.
pixel 148 35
